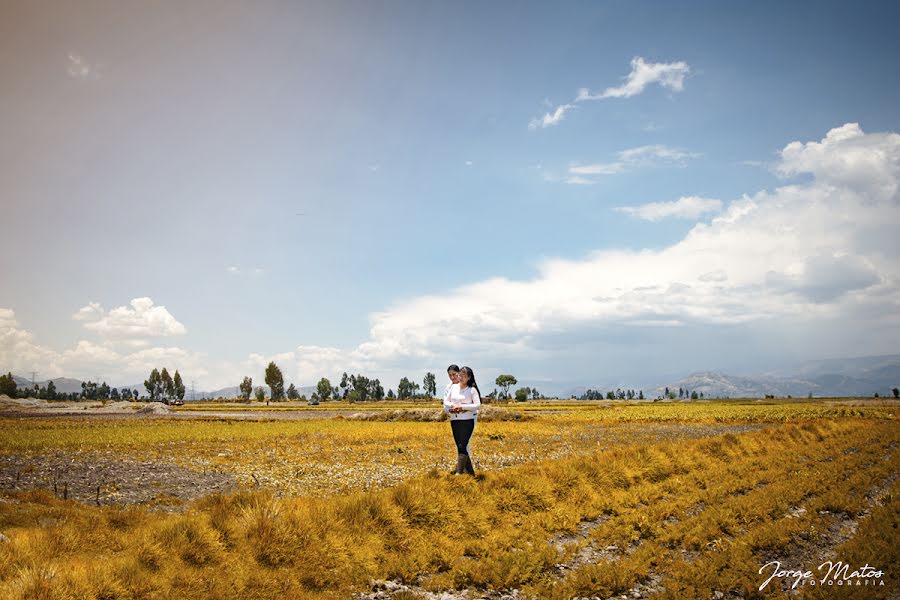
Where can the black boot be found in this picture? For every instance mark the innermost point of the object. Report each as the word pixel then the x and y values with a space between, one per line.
pixel 460 465
pixel 468 469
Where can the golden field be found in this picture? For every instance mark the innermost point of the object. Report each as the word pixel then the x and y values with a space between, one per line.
pixel 573 499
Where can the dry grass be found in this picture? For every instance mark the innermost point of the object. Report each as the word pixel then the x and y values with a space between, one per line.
pixel 702 514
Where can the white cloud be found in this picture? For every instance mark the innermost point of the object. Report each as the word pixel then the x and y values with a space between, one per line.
pixel 20 353
pixel 132 323
pixel 550 119
pixel 667 75
pixel 655 153
pixel 849 158
pixel 92 312
pixel 686 207
pixel 630 159
pixel 820 257
pixel 811 253
pixel 598 169
pixel 579 180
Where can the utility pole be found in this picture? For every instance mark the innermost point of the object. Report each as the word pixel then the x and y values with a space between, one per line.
pixel 192 390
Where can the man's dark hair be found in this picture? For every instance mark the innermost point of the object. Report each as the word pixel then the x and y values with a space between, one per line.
pixel 453 368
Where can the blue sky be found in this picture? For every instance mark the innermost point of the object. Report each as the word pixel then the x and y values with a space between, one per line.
pixel 163 152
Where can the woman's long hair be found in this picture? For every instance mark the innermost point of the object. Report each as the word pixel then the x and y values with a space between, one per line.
pixel 472 383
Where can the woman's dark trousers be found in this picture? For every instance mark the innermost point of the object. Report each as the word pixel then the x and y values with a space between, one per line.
pixel 462 434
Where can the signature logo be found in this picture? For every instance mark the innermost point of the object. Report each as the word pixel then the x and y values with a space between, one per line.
pixel 837 573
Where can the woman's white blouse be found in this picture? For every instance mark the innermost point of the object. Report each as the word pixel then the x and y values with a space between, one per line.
pixel 468 399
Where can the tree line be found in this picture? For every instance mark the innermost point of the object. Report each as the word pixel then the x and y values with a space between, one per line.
pixel 359 388
pixel 90 390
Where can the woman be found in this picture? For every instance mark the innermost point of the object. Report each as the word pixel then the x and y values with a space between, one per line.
pixel 462 401
pixel 453 375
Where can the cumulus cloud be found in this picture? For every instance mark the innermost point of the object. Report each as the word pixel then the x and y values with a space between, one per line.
pixel 19 352
pixel 686 207
pixel 801 252
pixel 825 277
pixel 847 158
pixel 113 361
pixel 134 323
pixel 628 160
pixel 667 75
pixel 92 312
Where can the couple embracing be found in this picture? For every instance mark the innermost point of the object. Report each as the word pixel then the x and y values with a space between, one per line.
pixel 462 400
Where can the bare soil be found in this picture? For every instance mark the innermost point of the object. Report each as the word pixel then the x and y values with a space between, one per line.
pixel 105 479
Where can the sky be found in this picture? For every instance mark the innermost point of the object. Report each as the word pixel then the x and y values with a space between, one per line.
pixel 572 193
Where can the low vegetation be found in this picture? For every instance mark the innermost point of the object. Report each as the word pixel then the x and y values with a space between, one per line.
pixel 667 499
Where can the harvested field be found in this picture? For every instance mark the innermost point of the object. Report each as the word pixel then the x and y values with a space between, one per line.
pixel 653 500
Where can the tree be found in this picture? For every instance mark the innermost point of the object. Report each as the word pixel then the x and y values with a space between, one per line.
pixel 275 381
pixel 179 386
pixel 641 395
pixel 896 392
pixel 522 394
pixel 404 389
pixel 376 390
pixel 89 390
pixel 345 384
pixel 246 388
pixel 260 393
pixel 51 390
pixel 504 382
pixel 323 389
pixel 8 385
pixel 168 385
pixel 126 394
pixel 535 394
pixel 154 385
pixel 390 394
pixel 292 392
pixel 114 394
pixel 361 386
pixel 135 395
pixel 694 395
pixel 430 385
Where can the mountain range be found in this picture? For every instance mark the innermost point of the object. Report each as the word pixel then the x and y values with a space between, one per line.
pixel 833 377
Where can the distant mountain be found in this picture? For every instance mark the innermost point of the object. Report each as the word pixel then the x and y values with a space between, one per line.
pixel 64 385
pixel 834 377
pixel 861 377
